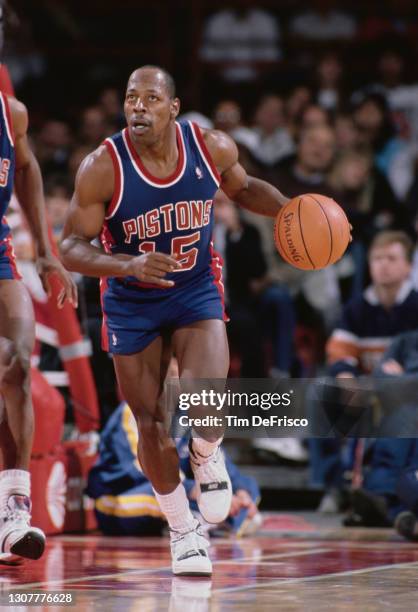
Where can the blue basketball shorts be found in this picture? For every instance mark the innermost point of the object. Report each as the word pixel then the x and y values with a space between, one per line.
pixel 134 317
pixel 8 270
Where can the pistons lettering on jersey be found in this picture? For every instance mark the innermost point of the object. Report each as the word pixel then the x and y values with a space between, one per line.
pixel 182 215
pixel 4 171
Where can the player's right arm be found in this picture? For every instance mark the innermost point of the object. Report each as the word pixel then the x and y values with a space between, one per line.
pixel 93 189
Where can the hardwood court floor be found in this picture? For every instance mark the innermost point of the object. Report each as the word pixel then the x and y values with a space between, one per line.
pixel 303 570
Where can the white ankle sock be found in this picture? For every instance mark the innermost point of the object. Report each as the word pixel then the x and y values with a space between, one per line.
pixel 204 449
pixel 13 482
pixel 175 506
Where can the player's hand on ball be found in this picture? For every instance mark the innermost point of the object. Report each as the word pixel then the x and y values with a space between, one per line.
pixel 153 267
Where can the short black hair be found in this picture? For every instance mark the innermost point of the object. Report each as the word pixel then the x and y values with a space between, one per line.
pixel 169 81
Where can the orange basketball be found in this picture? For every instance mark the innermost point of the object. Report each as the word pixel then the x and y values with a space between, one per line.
pixel 311 232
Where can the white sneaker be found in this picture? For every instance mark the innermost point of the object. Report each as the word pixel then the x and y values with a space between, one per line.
pixel 214 495
pixel 189 552
pixel 17 537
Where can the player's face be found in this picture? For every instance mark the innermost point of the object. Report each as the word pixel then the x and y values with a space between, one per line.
pixel 389 265
pixel 149 109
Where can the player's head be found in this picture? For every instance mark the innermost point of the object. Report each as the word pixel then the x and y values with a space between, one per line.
pixel 150 103
pixel 390 257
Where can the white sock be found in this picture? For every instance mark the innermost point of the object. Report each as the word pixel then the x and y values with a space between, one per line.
pixel 176 508
pixel 13 482
pixel 203 449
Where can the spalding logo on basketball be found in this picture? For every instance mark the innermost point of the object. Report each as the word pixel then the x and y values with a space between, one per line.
pixel 55 494
pixel 311 232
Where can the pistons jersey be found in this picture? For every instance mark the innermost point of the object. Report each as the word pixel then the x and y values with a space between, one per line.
pixel 7 165
pixel 171 215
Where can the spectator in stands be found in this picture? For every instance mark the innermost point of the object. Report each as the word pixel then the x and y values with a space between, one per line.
pixel 272 140
pixel 314 116
pixel 297 100
pixel 376 130
pixel 94 127
pixel 346 133
pixel 227 117
pixel 307 170
pixel 110 104
pixel 364 193
pixel 53 146
pixel 241 43
pixel 323 23
pixel 390 483
pixel 389 306
pixel 57 200
pixel 329 92
pixel 76 157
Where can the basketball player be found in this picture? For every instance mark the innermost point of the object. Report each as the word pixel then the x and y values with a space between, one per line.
pixel 19 169
pixel 148 192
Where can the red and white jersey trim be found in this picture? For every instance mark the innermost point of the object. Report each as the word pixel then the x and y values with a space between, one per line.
pixel 203 150
pixel 147 176
pixel 7 118
pixel 119 180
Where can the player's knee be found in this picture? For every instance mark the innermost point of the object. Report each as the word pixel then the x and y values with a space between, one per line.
pixel 18 367
pixel 7 351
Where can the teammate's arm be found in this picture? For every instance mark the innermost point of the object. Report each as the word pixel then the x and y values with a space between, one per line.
pixel 247 191
pixel 29 190
pixel 93 189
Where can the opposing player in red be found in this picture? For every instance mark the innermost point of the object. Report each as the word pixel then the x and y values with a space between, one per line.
pixel 19 169
pixel 148 193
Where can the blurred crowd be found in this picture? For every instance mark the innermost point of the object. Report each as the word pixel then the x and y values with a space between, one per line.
pixel 307 117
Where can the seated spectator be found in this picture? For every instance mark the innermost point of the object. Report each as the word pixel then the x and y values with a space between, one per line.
pixel 124 499
pixel 328 82
pixel 363 193
pixel 53 146
pixel 313 116
pixel 57 200
pixel 241 43
pixel 346 133
pixel 295 103
pixel 110 104
pixel 390 484
pixel 323 23
pixel 389 306
pixel 377 131
pixel 227 117
pixel 93 127
pixel 272 141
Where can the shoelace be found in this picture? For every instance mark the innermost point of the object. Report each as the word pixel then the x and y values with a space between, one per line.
pixel 188 541
pixel 16 515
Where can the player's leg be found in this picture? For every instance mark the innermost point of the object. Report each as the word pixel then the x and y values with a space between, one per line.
pixel 17 537
pixel 141 378
pixel 202 352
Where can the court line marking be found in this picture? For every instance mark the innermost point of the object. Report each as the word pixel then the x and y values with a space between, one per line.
pixel 262 558
pixel 300 580
pixel 160 569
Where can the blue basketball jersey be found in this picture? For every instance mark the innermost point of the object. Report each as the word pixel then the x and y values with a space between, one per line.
pixel 7 163
pixel 170 215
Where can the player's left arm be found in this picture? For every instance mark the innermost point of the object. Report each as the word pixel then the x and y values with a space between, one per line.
pixel 249 192
pixel 29 190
